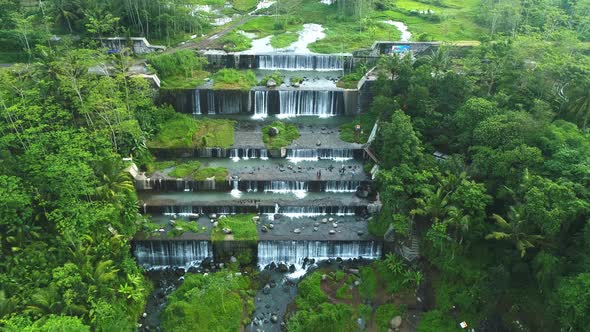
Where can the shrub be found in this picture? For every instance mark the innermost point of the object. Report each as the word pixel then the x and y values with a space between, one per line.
pixel 385 313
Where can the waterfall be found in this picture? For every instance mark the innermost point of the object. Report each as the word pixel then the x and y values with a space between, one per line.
pixel 294 252
pixel 342 186
pixel 260 104
pixel 155 254
pixel 247 153
pixel 179 210
pixel 310 102
pixel 285 186
pixel 300 62
pixel 211 102
pixel 315 154
pixel 196 102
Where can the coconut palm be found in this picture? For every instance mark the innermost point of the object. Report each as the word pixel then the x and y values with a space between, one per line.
pixel 578 104
pixel 513 230
pixel 115 180
pixel 434 205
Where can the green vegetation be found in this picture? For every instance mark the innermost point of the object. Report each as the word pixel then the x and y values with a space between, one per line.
pixel 219 173
pixel 287 133
pixel 349 132
pixel 185 169
pixel 233 79
pixel 241 225
pixel 183 131
pixel 276 76
pixel 244 5
pixel 182 69
pixel 221 301
pixel 284 39
pixel 385 313
pixel 235 42
pixel 183 226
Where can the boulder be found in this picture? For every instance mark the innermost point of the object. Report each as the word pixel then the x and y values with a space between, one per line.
pixel 315 229
pixel 273 131
pixel 271 83
pixel 264 229
pixel 232 259
pixel 325 221
pixel 266 289
pixel 332 232
pixel 362 193
pixel 282 268
pixel 256 218
pixel 334 225
pixel 360 233
pixel 395 322
pixel 274 319
pixel 226 230
pixel 330 219
pixel 213 216
pixel 297 231
pixel 324 277
pixel 215 224
pixel 318 143
pixel 271 226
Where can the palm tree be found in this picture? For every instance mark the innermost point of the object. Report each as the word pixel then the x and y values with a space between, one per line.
pixel 434 205
pixel 440 61
pixel 514 232
pixel 578 104
pixel 115 180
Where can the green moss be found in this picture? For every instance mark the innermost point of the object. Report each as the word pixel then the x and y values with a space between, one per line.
pixel 232 79
pixel 219 301
pixel 385 313
pixel 283 39
pixel 220 174
pixel 350 81
pixel 235 42
pixel 185 169
pixel 275 76
pixel 183 131
pixel 183 226
pixel 287 133
pixel 159 165
pixel 241 225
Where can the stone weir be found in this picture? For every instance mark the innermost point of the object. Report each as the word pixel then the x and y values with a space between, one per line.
pixel 290 205
pixel 279 240
pixel 262 101
pixel 280 61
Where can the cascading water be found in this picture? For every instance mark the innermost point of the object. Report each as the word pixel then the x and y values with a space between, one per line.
pixel 247 153
pixel 315 154
pixel 341 186
pixel 299 188
pixel 196 102
pixel 310 102
pixel 260 104
pixel 297 62
pixel 158 254
pixel 211 102
pixel 294 252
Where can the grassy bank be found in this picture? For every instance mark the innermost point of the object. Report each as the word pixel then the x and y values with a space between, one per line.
pixel 183 131
pixel 241 225
pixel 189 170
pixel 287 133
pixel 348 133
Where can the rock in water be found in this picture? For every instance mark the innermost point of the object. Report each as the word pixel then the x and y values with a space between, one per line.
pixel 274 319
pixel 271 83
pixel 297 231
pixel 264 229
pixel 332 232
pixel 266 289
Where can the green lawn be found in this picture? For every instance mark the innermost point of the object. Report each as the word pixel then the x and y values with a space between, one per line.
pixel 284 39
pixel 287 133
pixel 232 79
pixel 185 169
pixel 241 225
pixel 183 131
